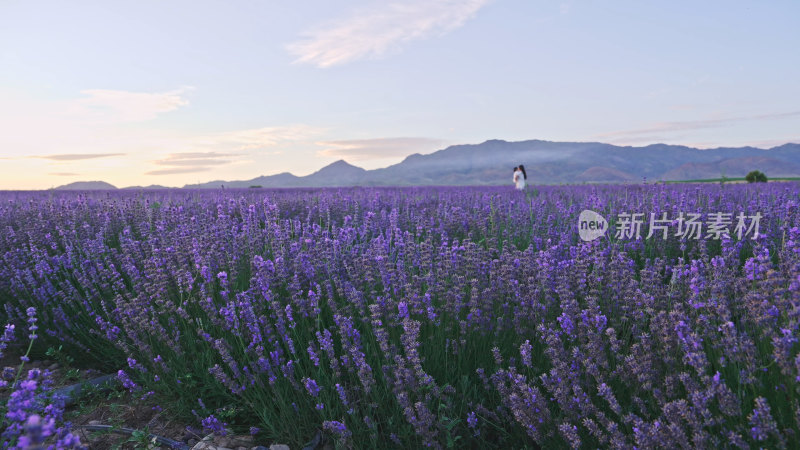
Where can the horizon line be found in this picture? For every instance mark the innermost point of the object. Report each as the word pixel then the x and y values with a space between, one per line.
pixel 342 160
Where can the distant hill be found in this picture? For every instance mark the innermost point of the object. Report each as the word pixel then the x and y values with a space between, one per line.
pixel 340 173
pixel 491 163
pixel 737 166
pixel 336 174
pixel 87 186
pixel 147 188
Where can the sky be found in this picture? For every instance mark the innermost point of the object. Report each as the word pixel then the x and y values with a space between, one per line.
pixel 172 92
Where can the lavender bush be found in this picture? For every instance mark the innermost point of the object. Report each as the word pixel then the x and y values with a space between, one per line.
pixel 415 317
pixel 32 417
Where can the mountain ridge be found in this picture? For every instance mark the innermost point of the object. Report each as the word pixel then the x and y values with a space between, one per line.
pixel 86 186
pixel 547 162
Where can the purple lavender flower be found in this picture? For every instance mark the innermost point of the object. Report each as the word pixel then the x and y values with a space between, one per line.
pixel 566 324
pixel 337 429
pixel 133 364
pixel 498 358
pixel 342 394
pixel 214 425
pixel 472 420
pixel 402 310
pixel 570 434
pixel 34 415
pixel 31 312
pixel 8 336
pixel 313 355
pixel 525 351
pixel 311 387
pixel 34 433
pixel 126 381
pixel 237 277
pixel 762 425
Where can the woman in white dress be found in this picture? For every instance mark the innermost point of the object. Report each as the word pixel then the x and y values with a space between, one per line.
pixel 520 176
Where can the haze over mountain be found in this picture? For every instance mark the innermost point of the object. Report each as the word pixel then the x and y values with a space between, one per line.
pixel 491 163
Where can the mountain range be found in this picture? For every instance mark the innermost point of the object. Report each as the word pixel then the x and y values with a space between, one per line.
pixel 491 163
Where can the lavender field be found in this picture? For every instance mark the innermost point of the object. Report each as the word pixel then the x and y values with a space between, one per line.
pixel 418 317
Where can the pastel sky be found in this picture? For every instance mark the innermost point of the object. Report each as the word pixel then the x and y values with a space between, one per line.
pixel 172 92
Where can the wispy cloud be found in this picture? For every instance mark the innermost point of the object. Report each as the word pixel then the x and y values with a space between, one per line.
pixel 77 156
pixel 64 174
pixel 92 134
pixel 671 127
pixel 177 170
pixel 188 162
pixel 230 148
pixel 196 159
pixel 93 124
pixel 193 162
pixel 106 105
pixel 362 149
pixel 191 155
pixel 260 138
pixel 373 32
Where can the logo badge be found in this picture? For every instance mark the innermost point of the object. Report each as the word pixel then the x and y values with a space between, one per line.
pixel 591 225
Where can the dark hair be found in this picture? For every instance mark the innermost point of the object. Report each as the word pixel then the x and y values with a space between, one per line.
pixel 515 169
pixel 522 168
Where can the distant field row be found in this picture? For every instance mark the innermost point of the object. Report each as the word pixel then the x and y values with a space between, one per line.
pixel 731 180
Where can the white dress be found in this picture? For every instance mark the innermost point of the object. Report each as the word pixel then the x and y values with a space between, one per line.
pixel 519 179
